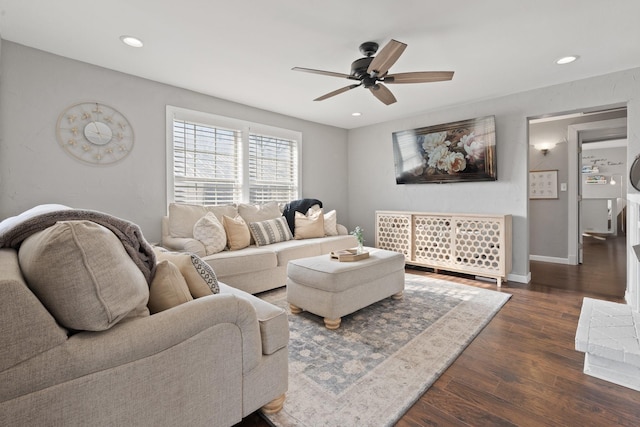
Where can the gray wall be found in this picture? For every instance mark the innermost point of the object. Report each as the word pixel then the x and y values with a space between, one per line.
pixel 548 217
pixel 36 87
pixel 371 176
pixel 611 162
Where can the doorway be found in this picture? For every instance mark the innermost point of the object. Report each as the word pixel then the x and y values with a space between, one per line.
pixel 557 237
pixel 596 177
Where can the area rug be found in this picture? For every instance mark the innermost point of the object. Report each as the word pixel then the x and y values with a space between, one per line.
pixel 372 369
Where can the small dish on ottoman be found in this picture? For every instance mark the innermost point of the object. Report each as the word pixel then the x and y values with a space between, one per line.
pixel 333 289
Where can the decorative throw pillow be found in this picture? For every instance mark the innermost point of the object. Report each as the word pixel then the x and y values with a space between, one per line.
pixel 238 235
pixel 257 213
pixel 211 233
pixel 270 231
pixel 168 288
pixel 309 226
pixel 83 275
pixel 330 220
pixel 200 277
pixel 331 223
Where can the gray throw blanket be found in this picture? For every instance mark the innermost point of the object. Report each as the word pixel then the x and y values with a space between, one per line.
pixel 17 229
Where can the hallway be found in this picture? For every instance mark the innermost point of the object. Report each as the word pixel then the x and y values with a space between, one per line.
pixel 604 271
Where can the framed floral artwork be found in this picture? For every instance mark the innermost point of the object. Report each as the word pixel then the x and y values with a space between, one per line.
pixel 451 152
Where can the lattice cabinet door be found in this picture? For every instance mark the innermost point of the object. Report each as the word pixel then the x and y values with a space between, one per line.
pixel 478 244
pixel 393 233
pixel 465 243
pixel 432 239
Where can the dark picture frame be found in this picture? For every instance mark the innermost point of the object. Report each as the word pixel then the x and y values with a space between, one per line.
pixel 452 152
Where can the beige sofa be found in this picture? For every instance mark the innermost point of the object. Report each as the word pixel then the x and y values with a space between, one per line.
pixel 252 269
pixel 78 345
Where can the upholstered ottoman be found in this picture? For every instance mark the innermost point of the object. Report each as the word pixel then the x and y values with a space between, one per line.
pixel 332 289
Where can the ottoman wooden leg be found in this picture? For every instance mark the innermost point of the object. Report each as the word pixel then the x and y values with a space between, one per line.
pixel 274 406
pixel 399 295
pixel 294 309
pixel 332 323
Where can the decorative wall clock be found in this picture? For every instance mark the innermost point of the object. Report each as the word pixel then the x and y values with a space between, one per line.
pixel 95 133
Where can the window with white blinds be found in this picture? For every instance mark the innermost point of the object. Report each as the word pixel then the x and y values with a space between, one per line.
pixel 215 160
pixel 205 164
pixel 273 169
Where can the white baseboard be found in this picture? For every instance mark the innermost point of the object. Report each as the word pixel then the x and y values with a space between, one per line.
pixel 519 278
pixel 551 259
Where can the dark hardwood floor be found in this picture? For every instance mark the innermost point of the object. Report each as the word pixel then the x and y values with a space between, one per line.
pixel 522 369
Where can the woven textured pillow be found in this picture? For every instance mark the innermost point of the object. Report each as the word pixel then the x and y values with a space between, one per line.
pixel 168 288
pixel 270 231
pixel 309 226
pixel 211 233
pixel 200 277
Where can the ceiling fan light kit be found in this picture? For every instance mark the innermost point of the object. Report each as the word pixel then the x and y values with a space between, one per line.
pixel 371 72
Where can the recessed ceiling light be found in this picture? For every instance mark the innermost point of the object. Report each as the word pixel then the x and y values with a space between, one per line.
pixel 356 114
pixel 567 60
pixel 131 41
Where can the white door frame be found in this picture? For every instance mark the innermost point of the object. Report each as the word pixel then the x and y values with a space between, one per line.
pixel 574 172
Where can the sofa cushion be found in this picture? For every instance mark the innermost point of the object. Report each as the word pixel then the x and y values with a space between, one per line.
pixel 270 231
pixel 274 324
pixel 248 260
pixel 200 276
pixel 309 226
pixel 294 249
pixel 211 233
pixel 238 235
pixel 182 217
pixel 257 213
pixel 168 288
pixel 26 327
pixel 83 275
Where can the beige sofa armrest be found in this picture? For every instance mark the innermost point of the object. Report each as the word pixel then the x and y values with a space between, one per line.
pixel 181 244
pixel 134 340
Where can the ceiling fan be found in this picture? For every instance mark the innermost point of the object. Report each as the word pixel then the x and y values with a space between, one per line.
pixel 371 72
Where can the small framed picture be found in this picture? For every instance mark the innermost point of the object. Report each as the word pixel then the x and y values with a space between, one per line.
pixel 543 184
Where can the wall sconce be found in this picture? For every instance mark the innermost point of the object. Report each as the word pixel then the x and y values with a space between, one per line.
pixel 544 147
pixel 613 180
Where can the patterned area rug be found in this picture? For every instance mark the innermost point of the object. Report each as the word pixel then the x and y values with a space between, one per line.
pixel 372 369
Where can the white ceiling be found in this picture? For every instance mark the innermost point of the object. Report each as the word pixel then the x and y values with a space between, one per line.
pixel 244 50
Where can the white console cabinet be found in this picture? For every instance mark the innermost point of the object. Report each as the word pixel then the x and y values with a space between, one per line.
pixel 464 243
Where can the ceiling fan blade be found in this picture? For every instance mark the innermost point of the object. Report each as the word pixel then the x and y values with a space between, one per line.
pixel 336 92
pixel 381 92
pixel 386 58
pixel 324 73
pixel 419 77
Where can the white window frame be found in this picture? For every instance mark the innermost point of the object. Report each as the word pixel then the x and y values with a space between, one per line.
pixel 246 127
